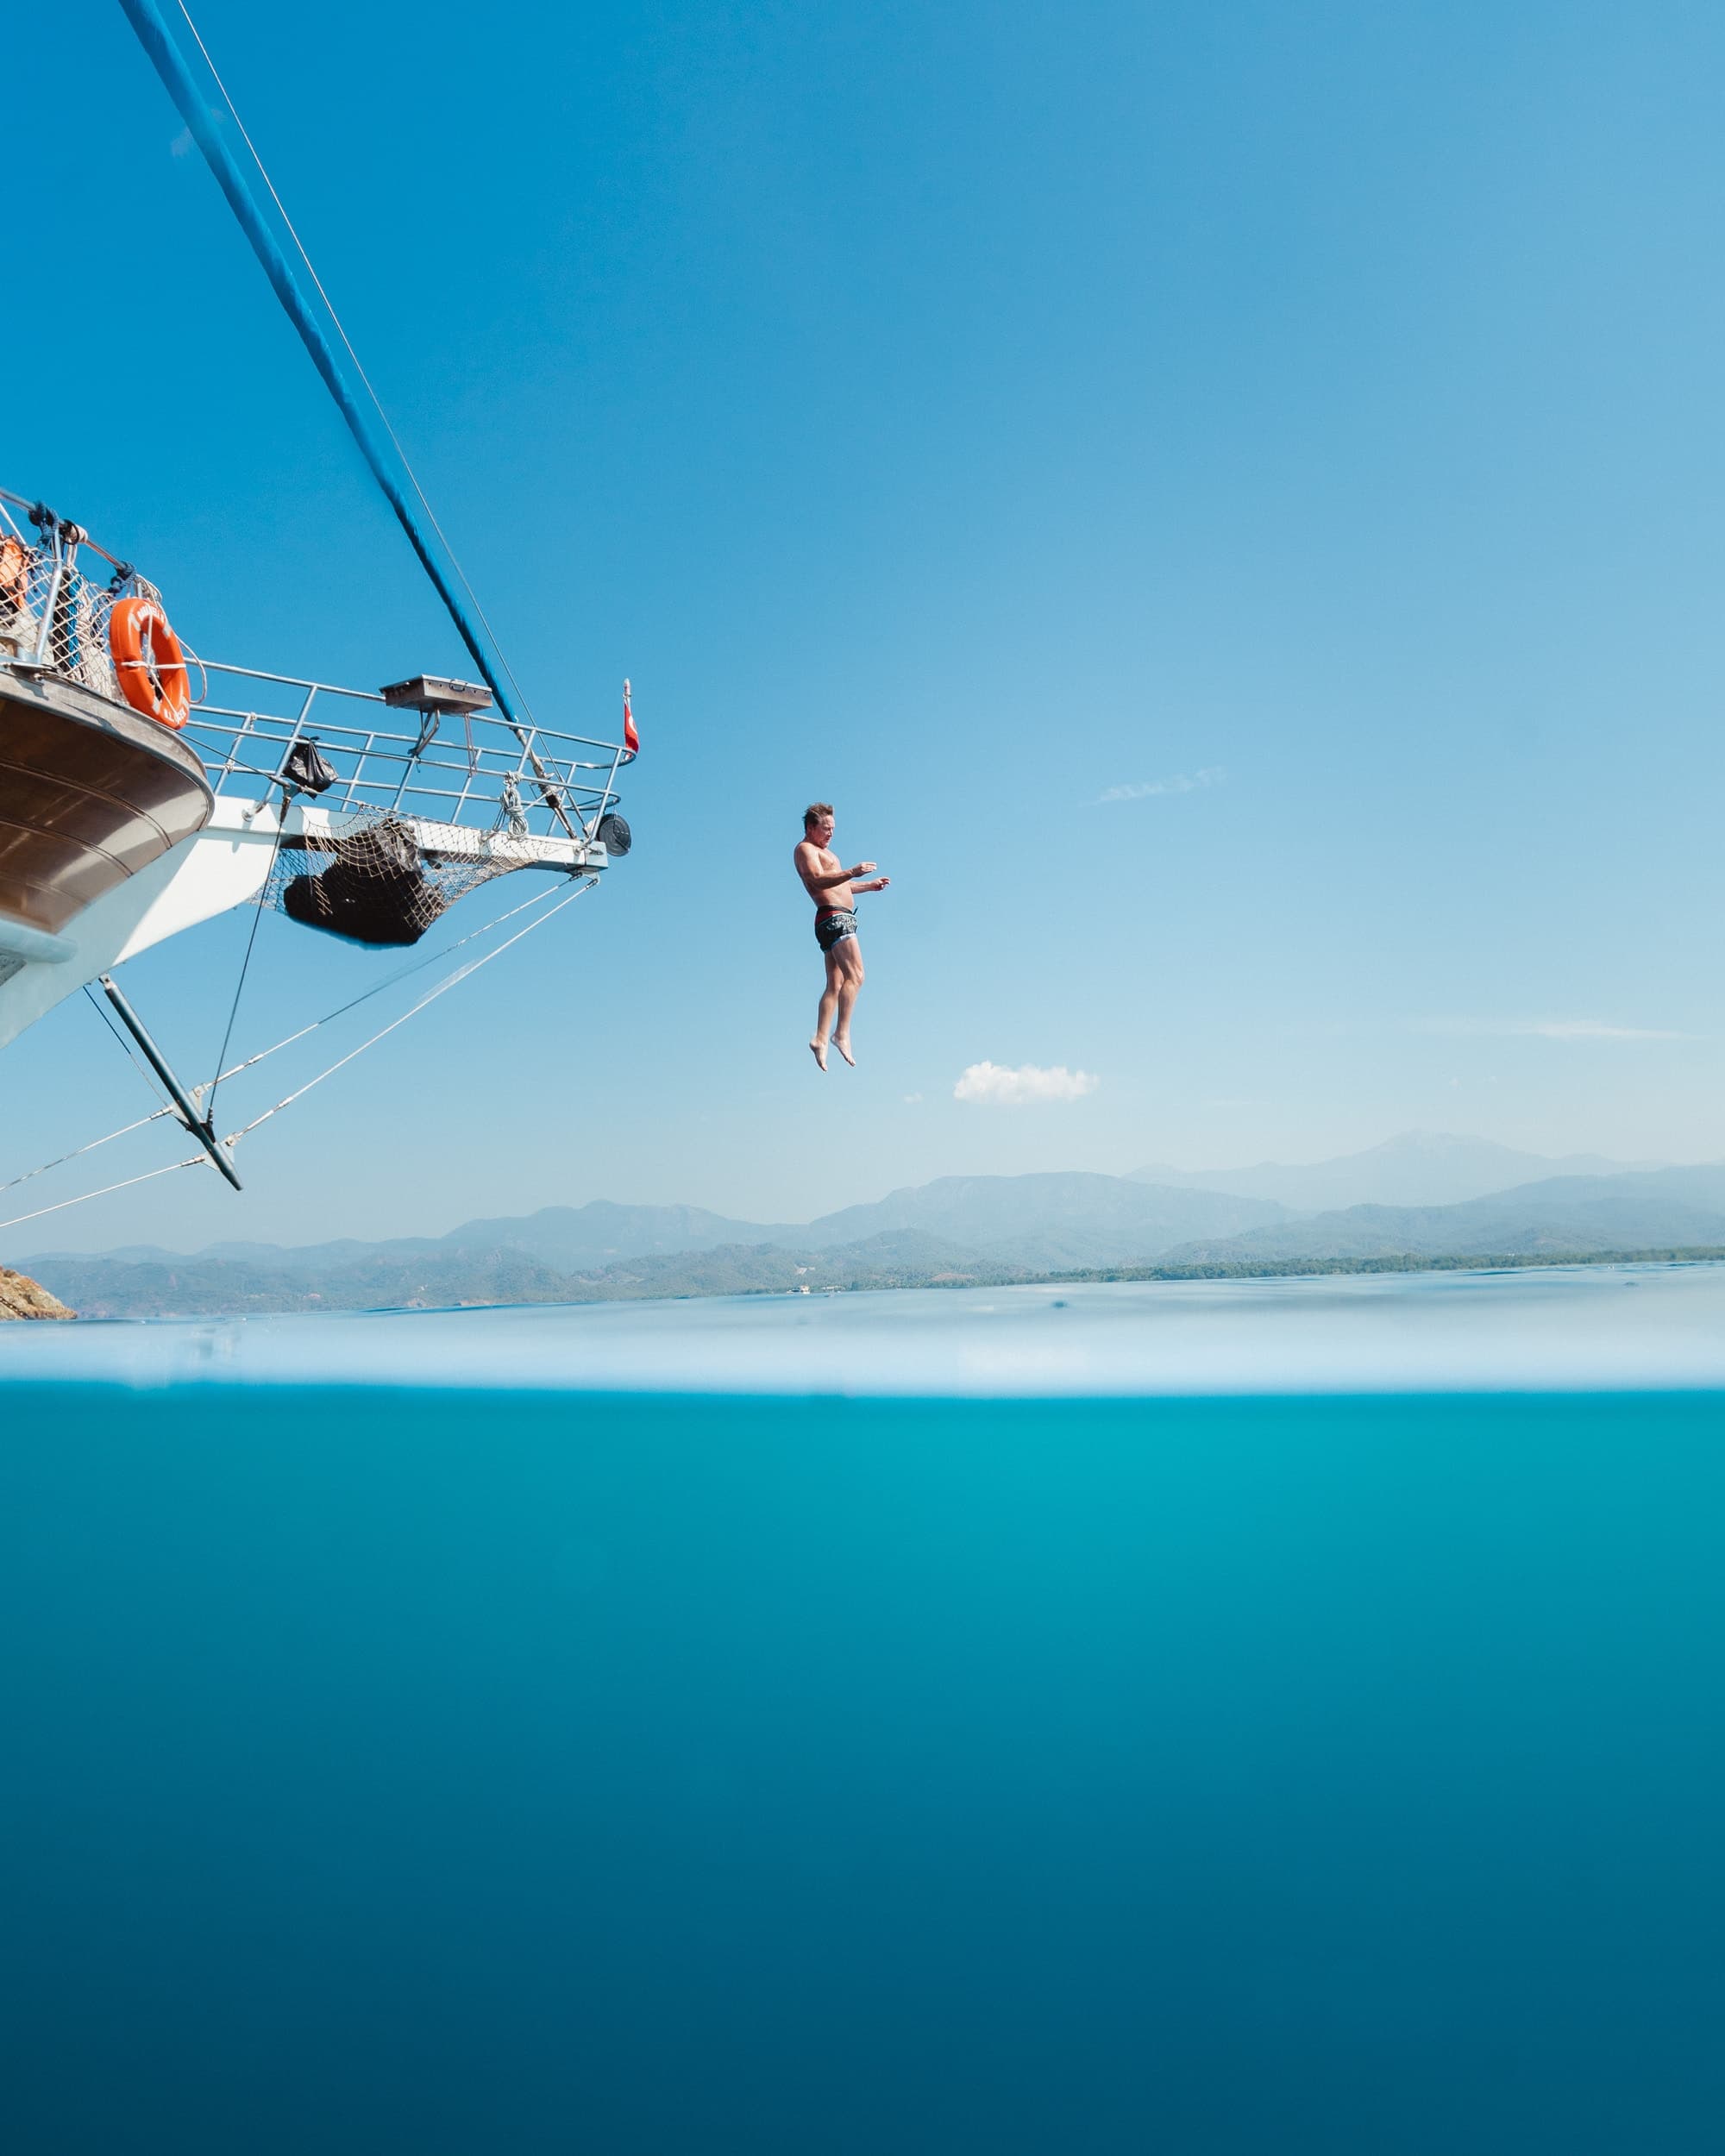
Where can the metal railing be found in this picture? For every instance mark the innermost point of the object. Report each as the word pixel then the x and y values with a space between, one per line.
pixel 461 767
pixel 53 619
pixel 475 768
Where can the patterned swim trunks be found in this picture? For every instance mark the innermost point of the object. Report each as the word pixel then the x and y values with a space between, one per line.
pixel 833 923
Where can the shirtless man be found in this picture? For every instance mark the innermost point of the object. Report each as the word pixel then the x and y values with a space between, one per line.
pixel 835 892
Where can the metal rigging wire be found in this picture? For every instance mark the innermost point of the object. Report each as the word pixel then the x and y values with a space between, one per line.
pixel 402 974
pixel 347 344
pixel 127 1051
pixel 78 1151
pixel 460 974
pixel 192 1160
pixel 209 1107
pixel 340 1011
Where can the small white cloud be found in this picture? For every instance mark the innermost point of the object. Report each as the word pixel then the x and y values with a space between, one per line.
pixel 182 144
pixel 911 1099
pixel 1000 1086
pixel 1546 1030
pixel 1185 782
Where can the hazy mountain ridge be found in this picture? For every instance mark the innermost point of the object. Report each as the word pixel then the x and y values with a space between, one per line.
pixel 564 1237
pixel 1415 1168
pixel 206 1286
pixel 956 1229
pixel 1048 1220
pixel 1667 1207
pixel 602 1232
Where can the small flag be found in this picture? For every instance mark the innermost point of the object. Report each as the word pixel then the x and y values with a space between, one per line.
pixel 632 740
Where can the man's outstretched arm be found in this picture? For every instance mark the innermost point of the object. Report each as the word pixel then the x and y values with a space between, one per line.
pixel 818 879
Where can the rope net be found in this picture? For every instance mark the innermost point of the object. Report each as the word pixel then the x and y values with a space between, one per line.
pixel 63 619
pixel 369 880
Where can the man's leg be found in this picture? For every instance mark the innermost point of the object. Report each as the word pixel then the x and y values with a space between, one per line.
pixel 823 1016
pixel 849 956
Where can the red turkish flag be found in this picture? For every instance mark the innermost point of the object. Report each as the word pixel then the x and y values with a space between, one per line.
pixel 632 740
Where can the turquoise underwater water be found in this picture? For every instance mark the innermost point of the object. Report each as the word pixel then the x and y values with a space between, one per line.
pixel 457 1770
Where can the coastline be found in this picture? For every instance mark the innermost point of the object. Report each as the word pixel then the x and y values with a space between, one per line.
pixel 160 1290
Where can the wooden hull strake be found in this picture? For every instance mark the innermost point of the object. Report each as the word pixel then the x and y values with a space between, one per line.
pixel 91 791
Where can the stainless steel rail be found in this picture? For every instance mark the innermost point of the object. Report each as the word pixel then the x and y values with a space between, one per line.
pixel 471 768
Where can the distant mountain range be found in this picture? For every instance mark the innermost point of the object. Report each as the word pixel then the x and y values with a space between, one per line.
pixel 1046 1220
pixel 1050 1220
pixel 1040 1220
pixel 1417 1168
pixel 957 1230
pixel 166 1285
pixel 1661 1208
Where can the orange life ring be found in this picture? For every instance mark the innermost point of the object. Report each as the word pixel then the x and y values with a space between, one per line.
pixel 159 687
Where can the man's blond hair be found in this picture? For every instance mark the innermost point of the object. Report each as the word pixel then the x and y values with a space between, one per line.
pixel 814 812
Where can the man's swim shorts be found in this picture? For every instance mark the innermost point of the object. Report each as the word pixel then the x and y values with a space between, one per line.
pixel 833 923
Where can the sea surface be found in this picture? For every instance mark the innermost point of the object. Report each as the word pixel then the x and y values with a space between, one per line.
pixel 1270 1717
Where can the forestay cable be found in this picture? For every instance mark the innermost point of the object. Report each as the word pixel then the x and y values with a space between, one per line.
pixel 377 988
pixel 78 1151
pixel 192 1160
pixel 402 974
pixel 461 974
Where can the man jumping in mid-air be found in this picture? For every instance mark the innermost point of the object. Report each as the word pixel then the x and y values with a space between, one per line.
pixel 834 891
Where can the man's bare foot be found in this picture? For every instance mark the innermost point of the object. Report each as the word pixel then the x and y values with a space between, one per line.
pixel 817 1050
pixel 842 1043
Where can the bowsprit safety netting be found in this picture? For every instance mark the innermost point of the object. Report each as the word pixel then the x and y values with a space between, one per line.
pixel 369 876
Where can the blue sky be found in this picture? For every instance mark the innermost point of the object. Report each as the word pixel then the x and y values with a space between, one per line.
pixel 1226 500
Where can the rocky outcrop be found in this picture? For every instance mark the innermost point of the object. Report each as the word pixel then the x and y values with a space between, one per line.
pixel 22 1297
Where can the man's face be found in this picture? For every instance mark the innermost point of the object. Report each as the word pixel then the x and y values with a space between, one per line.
pixel 821 831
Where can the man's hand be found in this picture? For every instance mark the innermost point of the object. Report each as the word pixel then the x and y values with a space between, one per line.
pixel 879 884
pixel 862 868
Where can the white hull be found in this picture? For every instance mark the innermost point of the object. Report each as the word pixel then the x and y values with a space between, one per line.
pixel 225 865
